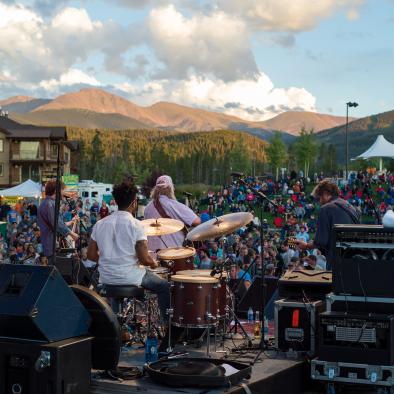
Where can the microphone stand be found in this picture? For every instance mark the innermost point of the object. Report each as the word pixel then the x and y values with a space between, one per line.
pixel 263 345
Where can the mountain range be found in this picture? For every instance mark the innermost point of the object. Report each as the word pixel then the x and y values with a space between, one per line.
pixel 96 108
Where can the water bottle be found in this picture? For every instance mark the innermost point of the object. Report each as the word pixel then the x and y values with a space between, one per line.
pixel 266 329
pixel 151 345
pixel 257 326
pixel 250 315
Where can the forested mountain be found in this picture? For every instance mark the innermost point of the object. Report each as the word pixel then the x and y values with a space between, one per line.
pixel 200 157
pixel 361 134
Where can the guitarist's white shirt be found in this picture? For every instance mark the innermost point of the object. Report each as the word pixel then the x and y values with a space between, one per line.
pixel 116 237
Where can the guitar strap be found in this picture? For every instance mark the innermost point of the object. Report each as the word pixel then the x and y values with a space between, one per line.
pixel 163 213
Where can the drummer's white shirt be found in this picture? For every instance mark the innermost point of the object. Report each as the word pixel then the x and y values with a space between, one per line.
pixel 116 236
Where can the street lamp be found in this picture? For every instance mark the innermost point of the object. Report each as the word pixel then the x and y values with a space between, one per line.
pixel 348 104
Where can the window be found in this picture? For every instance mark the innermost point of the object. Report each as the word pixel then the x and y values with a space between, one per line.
pixel 1 145
pixel 107 189
pixel 85 194
pixel 29 150
pixel 1 169
pixel 94 194
pixel 66 157
pixel 54 151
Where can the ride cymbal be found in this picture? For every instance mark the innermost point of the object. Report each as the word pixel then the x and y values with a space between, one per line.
pixel 219 226
pixel 161 226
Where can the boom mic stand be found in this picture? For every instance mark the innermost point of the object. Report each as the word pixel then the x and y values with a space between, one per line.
pixel 263 345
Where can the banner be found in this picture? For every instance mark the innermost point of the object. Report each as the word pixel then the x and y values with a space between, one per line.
pixel 71 181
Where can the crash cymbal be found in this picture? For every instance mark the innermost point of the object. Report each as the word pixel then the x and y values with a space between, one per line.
pixel 219 226
pixel 161 226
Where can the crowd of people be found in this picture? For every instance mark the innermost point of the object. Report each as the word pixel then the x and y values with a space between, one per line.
pixel 291 216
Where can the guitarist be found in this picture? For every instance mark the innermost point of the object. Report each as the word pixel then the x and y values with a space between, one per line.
pixel 45 218
pixel 165 205
pixel 334 210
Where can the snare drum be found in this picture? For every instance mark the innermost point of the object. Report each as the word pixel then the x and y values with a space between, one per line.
pixel 177 259
pixel 220 288
pixel 194 301
pixel 160 271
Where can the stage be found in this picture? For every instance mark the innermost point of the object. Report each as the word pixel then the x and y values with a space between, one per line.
pixel 273 374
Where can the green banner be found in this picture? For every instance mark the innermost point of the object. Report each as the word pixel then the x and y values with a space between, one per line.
pixel 71 181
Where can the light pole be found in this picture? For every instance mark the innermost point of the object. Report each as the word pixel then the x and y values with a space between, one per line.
pixel 348 104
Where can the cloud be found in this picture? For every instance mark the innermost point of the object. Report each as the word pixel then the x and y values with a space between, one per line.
pixel 248 99
pixel 215 44
pixel 70 78
pixel 37 49
pixel 288 15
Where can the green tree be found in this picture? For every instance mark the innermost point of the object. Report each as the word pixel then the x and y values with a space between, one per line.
pixel 98 157
pixel 276 153
pixel 306 149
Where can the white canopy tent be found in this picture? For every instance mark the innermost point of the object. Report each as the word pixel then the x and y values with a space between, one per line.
pixel 26 189
pixel 380 148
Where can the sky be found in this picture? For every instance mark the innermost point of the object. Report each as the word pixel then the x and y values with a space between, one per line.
pixel 250 58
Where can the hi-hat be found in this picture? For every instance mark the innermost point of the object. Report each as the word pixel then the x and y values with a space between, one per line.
pixel 161 226
pixel 219 226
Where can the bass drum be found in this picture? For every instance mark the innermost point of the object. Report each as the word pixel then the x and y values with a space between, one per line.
pixel 104 327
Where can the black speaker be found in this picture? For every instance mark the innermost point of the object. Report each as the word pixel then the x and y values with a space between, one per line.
pixel 36 304
pixel 104 329
pixel 74 272
pixel 253 296
pixel 45 368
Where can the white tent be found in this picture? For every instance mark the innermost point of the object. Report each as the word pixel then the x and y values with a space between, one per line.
pixel 380 148
pixel 25 189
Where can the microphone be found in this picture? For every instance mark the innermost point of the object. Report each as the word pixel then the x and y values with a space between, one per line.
pixel 187 194
pixel 236 174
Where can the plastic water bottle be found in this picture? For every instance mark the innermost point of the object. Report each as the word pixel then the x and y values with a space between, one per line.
pixel 250 315
pixel 151 346
pixel 266 329
pixel 257 326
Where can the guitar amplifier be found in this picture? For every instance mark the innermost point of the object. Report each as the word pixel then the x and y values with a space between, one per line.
pixel 364 263
pixel 296 324
pixel 301 284
pixel 356 338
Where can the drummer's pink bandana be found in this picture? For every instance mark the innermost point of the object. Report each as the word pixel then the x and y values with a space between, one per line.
pixel 164 181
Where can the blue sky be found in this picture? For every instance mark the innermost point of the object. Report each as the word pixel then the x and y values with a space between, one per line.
pixel 249 58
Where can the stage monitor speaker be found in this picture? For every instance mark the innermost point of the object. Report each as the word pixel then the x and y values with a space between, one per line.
pixel 252 297
pixel 104 329
pixel 37 304
pixel 74 272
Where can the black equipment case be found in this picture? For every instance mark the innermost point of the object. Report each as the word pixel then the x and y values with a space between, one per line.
pixel 295 325
pixel 45 368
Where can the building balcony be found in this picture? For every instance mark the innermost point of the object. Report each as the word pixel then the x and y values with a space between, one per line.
pixel 27 156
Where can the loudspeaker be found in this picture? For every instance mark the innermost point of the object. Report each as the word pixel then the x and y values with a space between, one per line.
pixel 45 368
pixel 74 272
pixel 104 329
pixel 253 296
pixel 36 304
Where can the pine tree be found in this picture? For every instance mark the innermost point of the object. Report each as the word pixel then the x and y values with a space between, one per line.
pixel 276 153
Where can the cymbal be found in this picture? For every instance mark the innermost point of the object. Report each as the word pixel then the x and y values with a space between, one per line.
pixel 161 226
pixel 219 226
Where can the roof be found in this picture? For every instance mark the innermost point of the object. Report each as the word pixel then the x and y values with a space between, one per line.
pixel 25 189
pixel 380 148
pixel 18 130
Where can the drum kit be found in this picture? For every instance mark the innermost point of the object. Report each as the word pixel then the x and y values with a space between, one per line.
pixel 200 298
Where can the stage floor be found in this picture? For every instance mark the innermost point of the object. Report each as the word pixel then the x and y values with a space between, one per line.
pixel 272 374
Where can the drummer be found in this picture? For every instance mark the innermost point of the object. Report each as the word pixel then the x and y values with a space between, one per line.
pixel 165 205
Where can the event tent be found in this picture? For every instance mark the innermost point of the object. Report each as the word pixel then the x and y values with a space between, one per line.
pixel 380 148
pixel 26 189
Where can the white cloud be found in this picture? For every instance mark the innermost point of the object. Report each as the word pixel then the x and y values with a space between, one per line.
pixel 75 20
pixel 288 15
pixel 216 44
pixel 248 99
pixel 69 78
